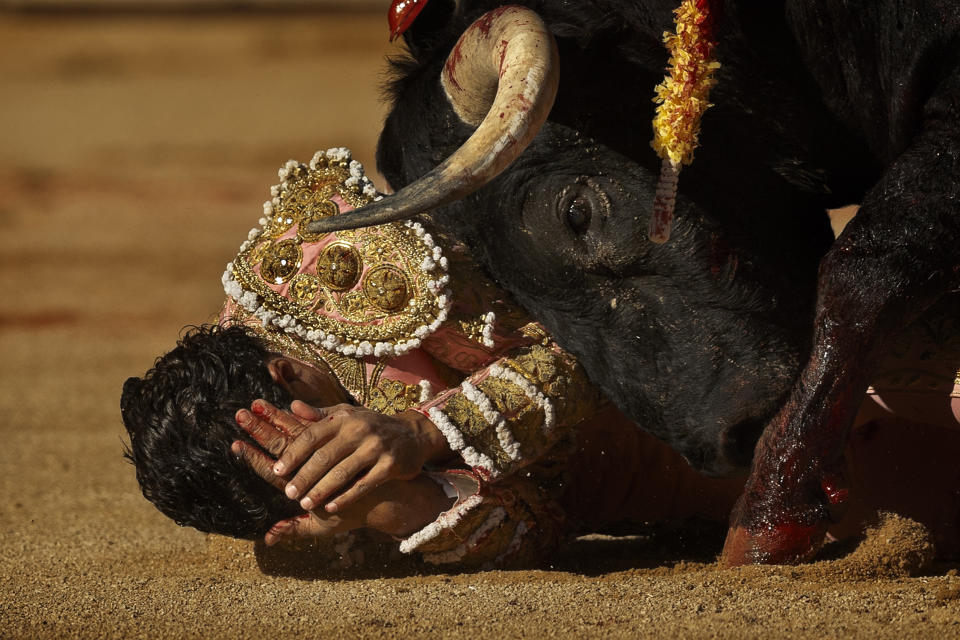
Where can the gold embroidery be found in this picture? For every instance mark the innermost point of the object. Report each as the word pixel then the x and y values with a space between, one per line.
pixel 476 431
pixel 374 380
pixel 538 365
pixel 472 328
pixel 392 396
pixel 409 299
pixel 476 296
pixel 465 415
pixel 377 250
pixel 315 211
pixel 386 287
pixel 279 223
pixel 350 371
pixel 352 303
pixel 561 379
pixel 304 289
pixel 256 256
pixel 507 398
pixel 281 261
pixel 535 332
pixel 300 199
pixel 339 266
pixel 350 235
pixel 524 418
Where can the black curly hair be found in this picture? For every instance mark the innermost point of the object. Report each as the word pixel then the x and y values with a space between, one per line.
pixel 180 417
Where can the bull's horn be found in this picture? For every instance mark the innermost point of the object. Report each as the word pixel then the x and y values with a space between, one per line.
pixel 500 77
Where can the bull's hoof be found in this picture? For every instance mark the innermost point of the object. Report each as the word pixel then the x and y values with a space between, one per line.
pixel 772 544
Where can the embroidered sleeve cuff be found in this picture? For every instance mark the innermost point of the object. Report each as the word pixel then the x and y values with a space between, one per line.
pixel 508 414
pixel 481 529
pixel 465 487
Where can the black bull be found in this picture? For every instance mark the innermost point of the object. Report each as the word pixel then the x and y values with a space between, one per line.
pixel 748 323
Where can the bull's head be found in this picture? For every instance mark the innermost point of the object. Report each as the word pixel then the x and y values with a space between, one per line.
pixel 698 339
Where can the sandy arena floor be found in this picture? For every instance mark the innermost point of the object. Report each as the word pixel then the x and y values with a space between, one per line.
pixel 134 155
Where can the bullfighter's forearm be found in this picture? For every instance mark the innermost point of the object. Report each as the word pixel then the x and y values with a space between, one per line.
pixel 506 415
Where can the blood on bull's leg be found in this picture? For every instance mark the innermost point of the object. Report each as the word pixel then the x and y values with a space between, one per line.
pixel 896 258
pixel 797 476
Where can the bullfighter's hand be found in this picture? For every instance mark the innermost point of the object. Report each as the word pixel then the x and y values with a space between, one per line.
pixel 274 437
pixel 272 428
pixel 274 434
pixel 348 449
pixel 275 440
pixel 397 507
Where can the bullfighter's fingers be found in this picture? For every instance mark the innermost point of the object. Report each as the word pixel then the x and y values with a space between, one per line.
pixel 378 475
pixel 297 528
pixel 266 435
pixel 306 412
pixel 261 463
pixel 321 460
pixel 335 480
pixel 311 449
pixel 284 422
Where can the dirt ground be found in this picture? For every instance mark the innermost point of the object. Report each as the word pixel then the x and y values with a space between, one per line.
pixel 134 154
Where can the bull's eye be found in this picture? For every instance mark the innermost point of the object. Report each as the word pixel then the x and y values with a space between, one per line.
pixel 578 214
pixel 579 203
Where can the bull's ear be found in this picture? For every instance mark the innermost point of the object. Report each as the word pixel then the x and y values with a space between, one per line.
pixel 429 25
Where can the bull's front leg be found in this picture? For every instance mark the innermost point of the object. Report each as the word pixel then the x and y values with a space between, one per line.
pixel 896 258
